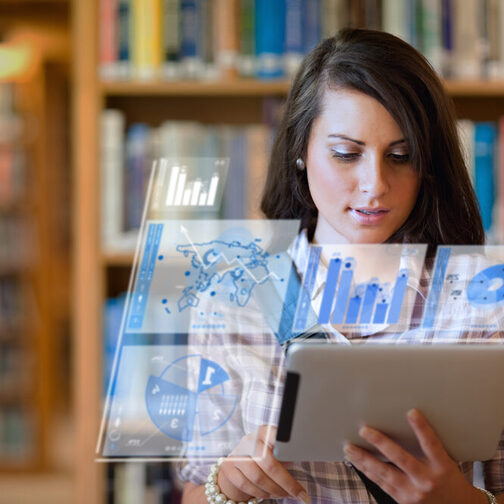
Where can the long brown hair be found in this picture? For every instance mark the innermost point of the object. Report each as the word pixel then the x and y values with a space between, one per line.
pixel 400 78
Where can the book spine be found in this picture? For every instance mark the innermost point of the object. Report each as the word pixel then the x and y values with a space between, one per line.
pixel 466 15
pixel 373 10
pixel 484 158
pixel 191 54
pixel 466 137
pixel 112 165
pixel 294 46
pixel 147 42
pixel 208 39
pixel 431 32
pixel 226 37
pixel 125 38
pixel 494 69
pixel 394 15
pixel 246 59
pixel 447 55
pixel 270 38
pixel 312 24
pixel 137 159
pixel 108 38
pixel 171 39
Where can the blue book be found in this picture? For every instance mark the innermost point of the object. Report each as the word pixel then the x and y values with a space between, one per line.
pixel 191 50
pixel 270 38
pixel 111 326
pixel 137 161
pixel 447 36
pixel 312 24
pixel 485 137
pixel 125 37
pixel 294 27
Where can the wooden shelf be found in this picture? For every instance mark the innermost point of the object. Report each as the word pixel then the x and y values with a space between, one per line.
pixel 117 258
pixel 235 87
pixel 254 87
pixel 476 88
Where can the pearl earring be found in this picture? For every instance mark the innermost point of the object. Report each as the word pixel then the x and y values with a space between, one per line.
pixel 300 164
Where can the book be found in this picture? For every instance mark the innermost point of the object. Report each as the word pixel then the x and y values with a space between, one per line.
pixel 226 37
pixel 246 56
pixel 466 36
pixel 394 15
pixel 335 16
pixel 111 166
pixel 270 38
pixel 312 24
pixel 294 28
pixel 466 136
pixel 147 40
pixel 125 36
pixel 171 38
pixel 484 159
pixel 138 165
pixel 431 26
pixel 108 38
pixel 191 52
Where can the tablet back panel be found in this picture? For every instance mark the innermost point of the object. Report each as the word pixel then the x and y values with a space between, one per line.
pixel 332 390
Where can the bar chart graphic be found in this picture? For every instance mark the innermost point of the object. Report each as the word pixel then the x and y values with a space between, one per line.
pixel 189 183
pixel 467 289
pixel 362 291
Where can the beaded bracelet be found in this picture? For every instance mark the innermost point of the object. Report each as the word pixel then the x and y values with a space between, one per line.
pixel 213 493
pixel 490 496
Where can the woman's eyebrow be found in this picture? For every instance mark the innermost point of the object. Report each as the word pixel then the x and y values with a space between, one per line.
pixel 360 142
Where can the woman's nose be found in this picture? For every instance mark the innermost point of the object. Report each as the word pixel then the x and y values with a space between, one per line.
pixel 373 179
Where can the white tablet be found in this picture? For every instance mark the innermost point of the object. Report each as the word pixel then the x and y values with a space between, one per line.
pixel 331 390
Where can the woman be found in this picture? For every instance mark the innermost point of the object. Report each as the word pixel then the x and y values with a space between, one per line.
pixel 367 152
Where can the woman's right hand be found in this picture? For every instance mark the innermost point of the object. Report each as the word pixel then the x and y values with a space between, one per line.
pixel 260 475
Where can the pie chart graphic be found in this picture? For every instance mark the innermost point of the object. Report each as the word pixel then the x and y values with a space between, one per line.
pixel 191 398
pixel 487 287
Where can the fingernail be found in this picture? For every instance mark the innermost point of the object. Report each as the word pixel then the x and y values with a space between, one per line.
pixel 365 431
pixel 349 449
pixel 303 496
pixel 412 414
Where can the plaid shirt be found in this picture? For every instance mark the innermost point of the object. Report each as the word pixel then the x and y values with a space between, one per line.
pixel 325 482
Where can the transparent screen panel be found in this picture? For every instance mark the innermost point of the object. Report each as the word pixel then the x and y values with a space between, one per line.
pixel 466 289
pixel 359 288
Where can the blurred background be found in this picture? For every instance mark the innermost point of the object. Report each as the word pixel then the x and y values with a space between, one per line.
pixel 91 91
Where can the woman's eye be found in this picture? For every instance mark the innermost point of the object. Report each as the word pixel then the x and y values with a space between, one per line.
pixel 345 156
pixel 400 158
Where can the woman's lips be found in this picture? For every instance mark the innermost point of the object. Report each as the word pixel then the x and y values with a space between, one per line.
pixel 369 216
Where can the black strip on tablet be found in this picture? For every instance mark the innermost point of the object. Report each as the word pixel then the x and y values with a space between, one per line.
pixel 288 406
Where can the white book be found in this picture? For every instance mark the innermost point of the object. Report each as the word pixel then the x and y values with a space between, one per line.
pixel 466 137
pixel 394 18
pixel 466 38
pixel 112 169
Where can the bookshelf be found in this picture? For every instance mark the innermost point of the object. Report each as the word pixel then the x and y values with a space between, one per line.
pixel 34 254
pixel 99 273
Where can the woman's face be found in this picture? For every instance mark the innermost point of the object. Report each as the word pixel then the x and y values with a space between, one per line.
pixel 359 170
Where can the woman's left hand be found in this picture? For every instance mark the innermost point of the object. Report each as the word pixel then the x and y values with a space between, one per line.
pixel 434 479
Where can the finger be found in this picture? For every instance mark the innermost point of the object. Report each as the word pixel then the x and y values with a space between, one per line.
pixel 389 478
pixel 429 441
pixel 261 480
pixel 410 465
pixel 277 472
pixel 233 483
